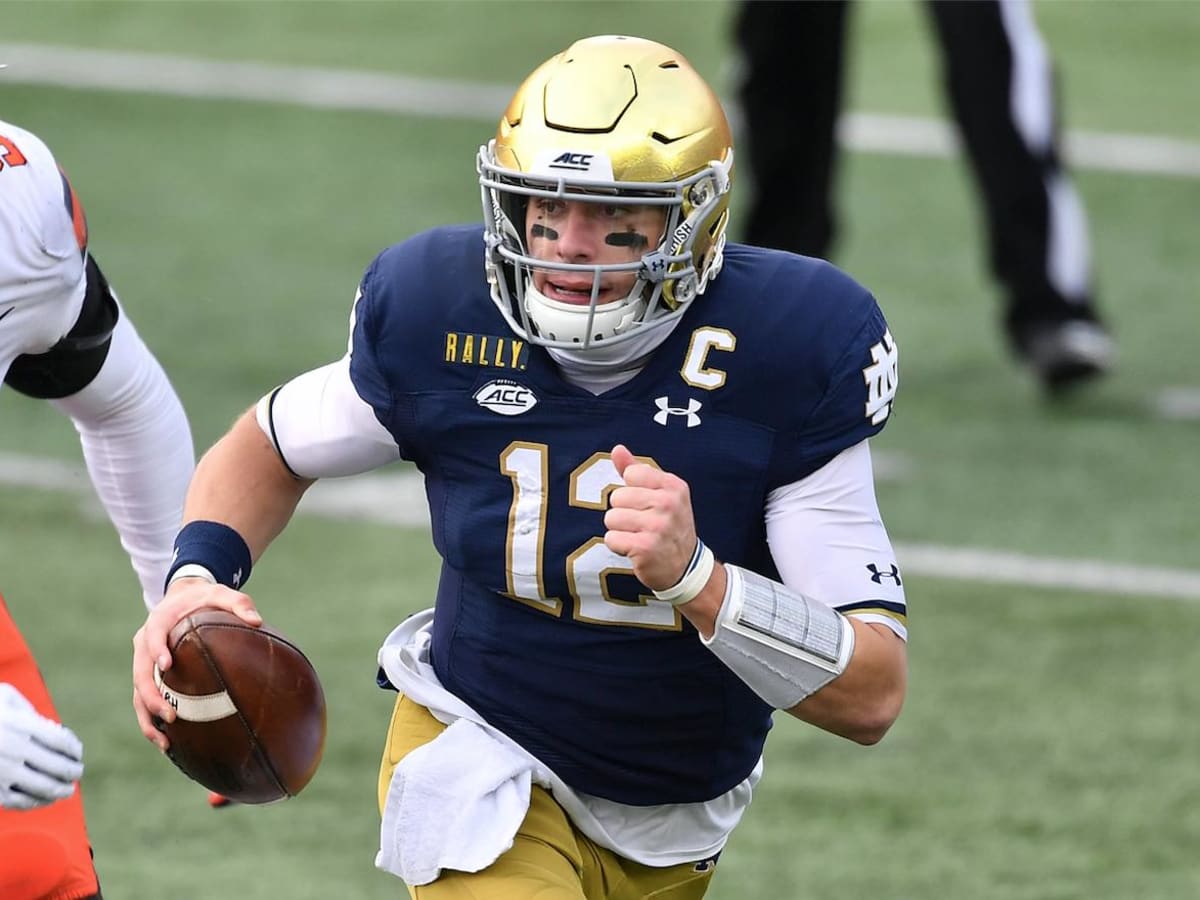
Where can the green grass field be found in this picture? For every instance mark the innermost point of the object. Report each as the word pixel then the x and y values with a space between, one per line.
pixel 1049 742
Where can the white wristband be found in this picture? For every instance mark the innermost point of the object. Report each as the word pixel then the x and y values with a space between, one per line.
pixel 192 570
pixel 695 577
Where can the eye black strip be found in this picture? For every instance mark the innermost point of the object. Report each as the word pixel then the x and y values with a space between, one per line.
pixel 627 239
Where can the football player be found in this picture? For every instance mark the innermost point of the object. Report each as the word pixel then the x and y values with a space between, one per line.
pixel 646 455
pixel 64 337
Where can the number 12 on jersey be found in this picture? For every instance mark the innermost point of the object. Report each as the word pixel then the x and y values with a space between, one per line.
pixel 589 566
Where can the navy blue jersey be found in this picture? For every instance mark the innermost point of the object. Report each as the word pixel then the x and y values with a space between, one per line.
pixel 781 364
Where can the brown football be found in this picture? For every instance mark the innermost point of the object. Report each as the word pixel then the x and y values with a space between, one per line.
pixel 250 711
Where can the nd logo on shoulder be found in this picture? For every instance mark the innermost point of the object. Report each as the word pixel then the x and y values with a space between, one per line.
pixel 881 378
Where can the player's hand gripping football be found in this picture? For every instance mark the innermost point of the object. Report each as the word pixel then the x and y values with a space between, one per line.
pixel 40 760
pixel 183 598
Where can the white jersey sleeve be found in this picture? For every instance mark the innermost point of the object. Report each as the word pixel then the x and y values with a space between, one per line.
pixel 829 542
pixel 322 428
pixel 43 240
pixel 139 452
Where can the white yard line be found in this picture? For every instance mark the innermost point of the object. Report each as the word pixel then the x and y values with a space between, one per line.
pixel 74 67
pixel 398 499
pixel 1178 403
pixel 1091 575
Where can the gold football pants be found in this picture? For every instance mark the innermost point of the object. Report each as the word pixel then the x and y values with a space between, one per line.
pixel 549 859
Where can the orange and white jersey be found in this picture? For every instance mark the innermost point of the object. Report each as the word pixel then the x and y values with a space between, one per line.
pixel 43 244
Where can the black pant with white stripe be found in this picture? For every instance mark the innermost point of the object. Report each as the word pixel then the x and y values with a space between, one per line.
pixel 1000 83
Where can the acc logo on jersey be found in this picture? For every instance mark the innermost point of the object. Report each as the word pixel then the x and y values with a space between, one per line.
pixel 506 397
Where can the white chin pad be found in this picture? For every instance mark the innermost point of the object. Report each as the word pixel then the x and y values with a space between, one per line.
pixel 783 645
pixel 568 322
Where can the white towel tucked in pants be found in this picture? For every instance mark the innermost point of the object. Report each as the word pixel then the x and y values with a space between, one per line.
pixel 454 803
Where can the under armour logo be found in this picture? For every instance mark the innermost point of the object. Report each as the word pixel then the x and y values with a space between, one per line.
pixel 237 578
pixel 877 576
pixel 666 410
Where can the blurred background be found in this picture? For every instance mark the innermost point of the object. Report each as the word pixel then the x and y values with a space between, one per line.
pixel 242 163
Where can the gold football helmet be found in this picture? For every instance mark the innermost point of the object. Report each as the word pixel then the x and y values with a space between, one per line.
pixel 610 120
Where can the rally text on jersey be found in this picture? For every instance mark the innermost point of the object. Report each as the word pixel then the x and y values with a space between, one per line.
pixel 488 350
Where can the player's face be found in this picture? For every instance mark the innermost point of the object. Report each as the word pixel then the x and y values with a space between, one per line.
pixel 584 233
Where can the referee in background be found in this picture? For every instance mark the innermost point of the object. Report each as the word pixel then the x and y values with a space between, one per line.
pixel 1000 81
